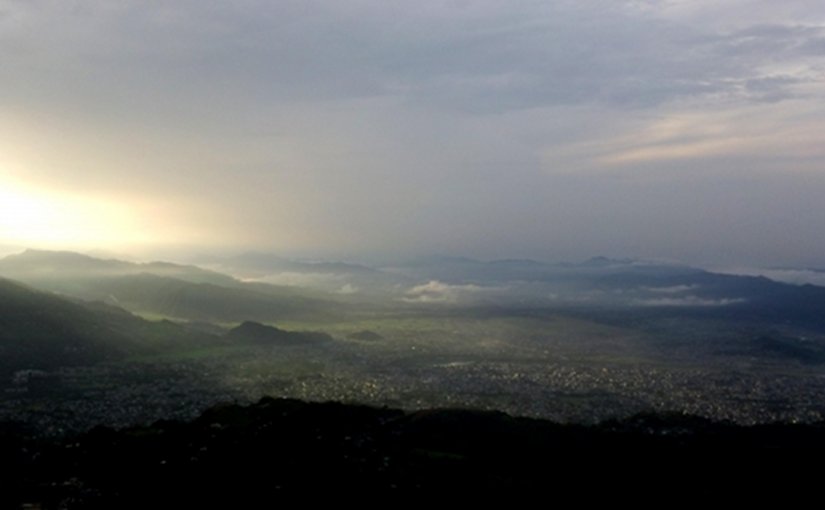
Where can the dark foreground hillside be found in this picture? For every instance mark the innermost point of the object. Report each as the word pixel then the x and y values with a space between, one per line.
pixel 233 454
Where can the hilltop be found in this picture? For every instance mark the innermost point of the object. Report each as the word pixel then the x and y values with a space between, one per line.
pixel 233 454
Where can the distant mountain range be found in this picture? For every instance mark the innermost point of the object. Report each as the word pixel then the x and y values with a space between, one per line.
pixel 354 281
pixel 70 310
pixel 336 290
pixel 256 265
pixel 163 289
pixel 462 270
pixel 66 266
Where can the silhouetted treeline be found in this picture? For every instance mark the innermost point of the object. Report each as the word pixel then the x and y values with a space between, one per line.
pixel 234 454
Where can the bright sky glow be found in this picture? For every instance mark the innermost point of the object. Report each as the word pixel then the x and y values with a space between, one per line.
pixel 47 219
pixel 560 129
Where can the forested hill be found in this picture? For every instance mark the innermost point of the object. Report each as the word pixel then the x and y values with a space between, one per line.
pixel 43 331
pixel 233 454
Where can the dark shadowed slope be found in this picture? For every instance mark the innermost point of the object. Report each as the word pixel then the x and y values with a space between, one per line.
pixel 255 333
pixel 237 456
pixel 43 331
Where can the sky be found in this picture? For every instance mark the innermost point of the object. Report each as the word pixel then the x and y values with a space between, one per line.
pixel 689 130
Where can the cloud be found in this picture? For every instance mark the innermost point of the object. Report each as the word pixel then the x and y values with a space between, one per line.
pixel 688 301
pixel 674 289
pixel 347 289
pixel 530 128
pixel 436 291
pixel 299 279
pixel 757 135
pixel 478 57
pixel 786 275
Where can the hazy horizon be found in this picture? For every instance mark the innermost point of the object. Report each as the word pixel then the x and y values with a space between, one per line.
pixel 367 130
pixel 798 275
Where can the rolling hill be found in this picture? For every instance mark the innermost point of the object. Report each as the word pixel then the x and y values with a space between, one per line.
pixel 254 333
pixel 43 331
pixel 163 289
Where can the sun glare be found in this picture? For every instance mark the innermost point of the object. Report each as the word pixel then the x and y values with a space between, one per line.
pixel 38 218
